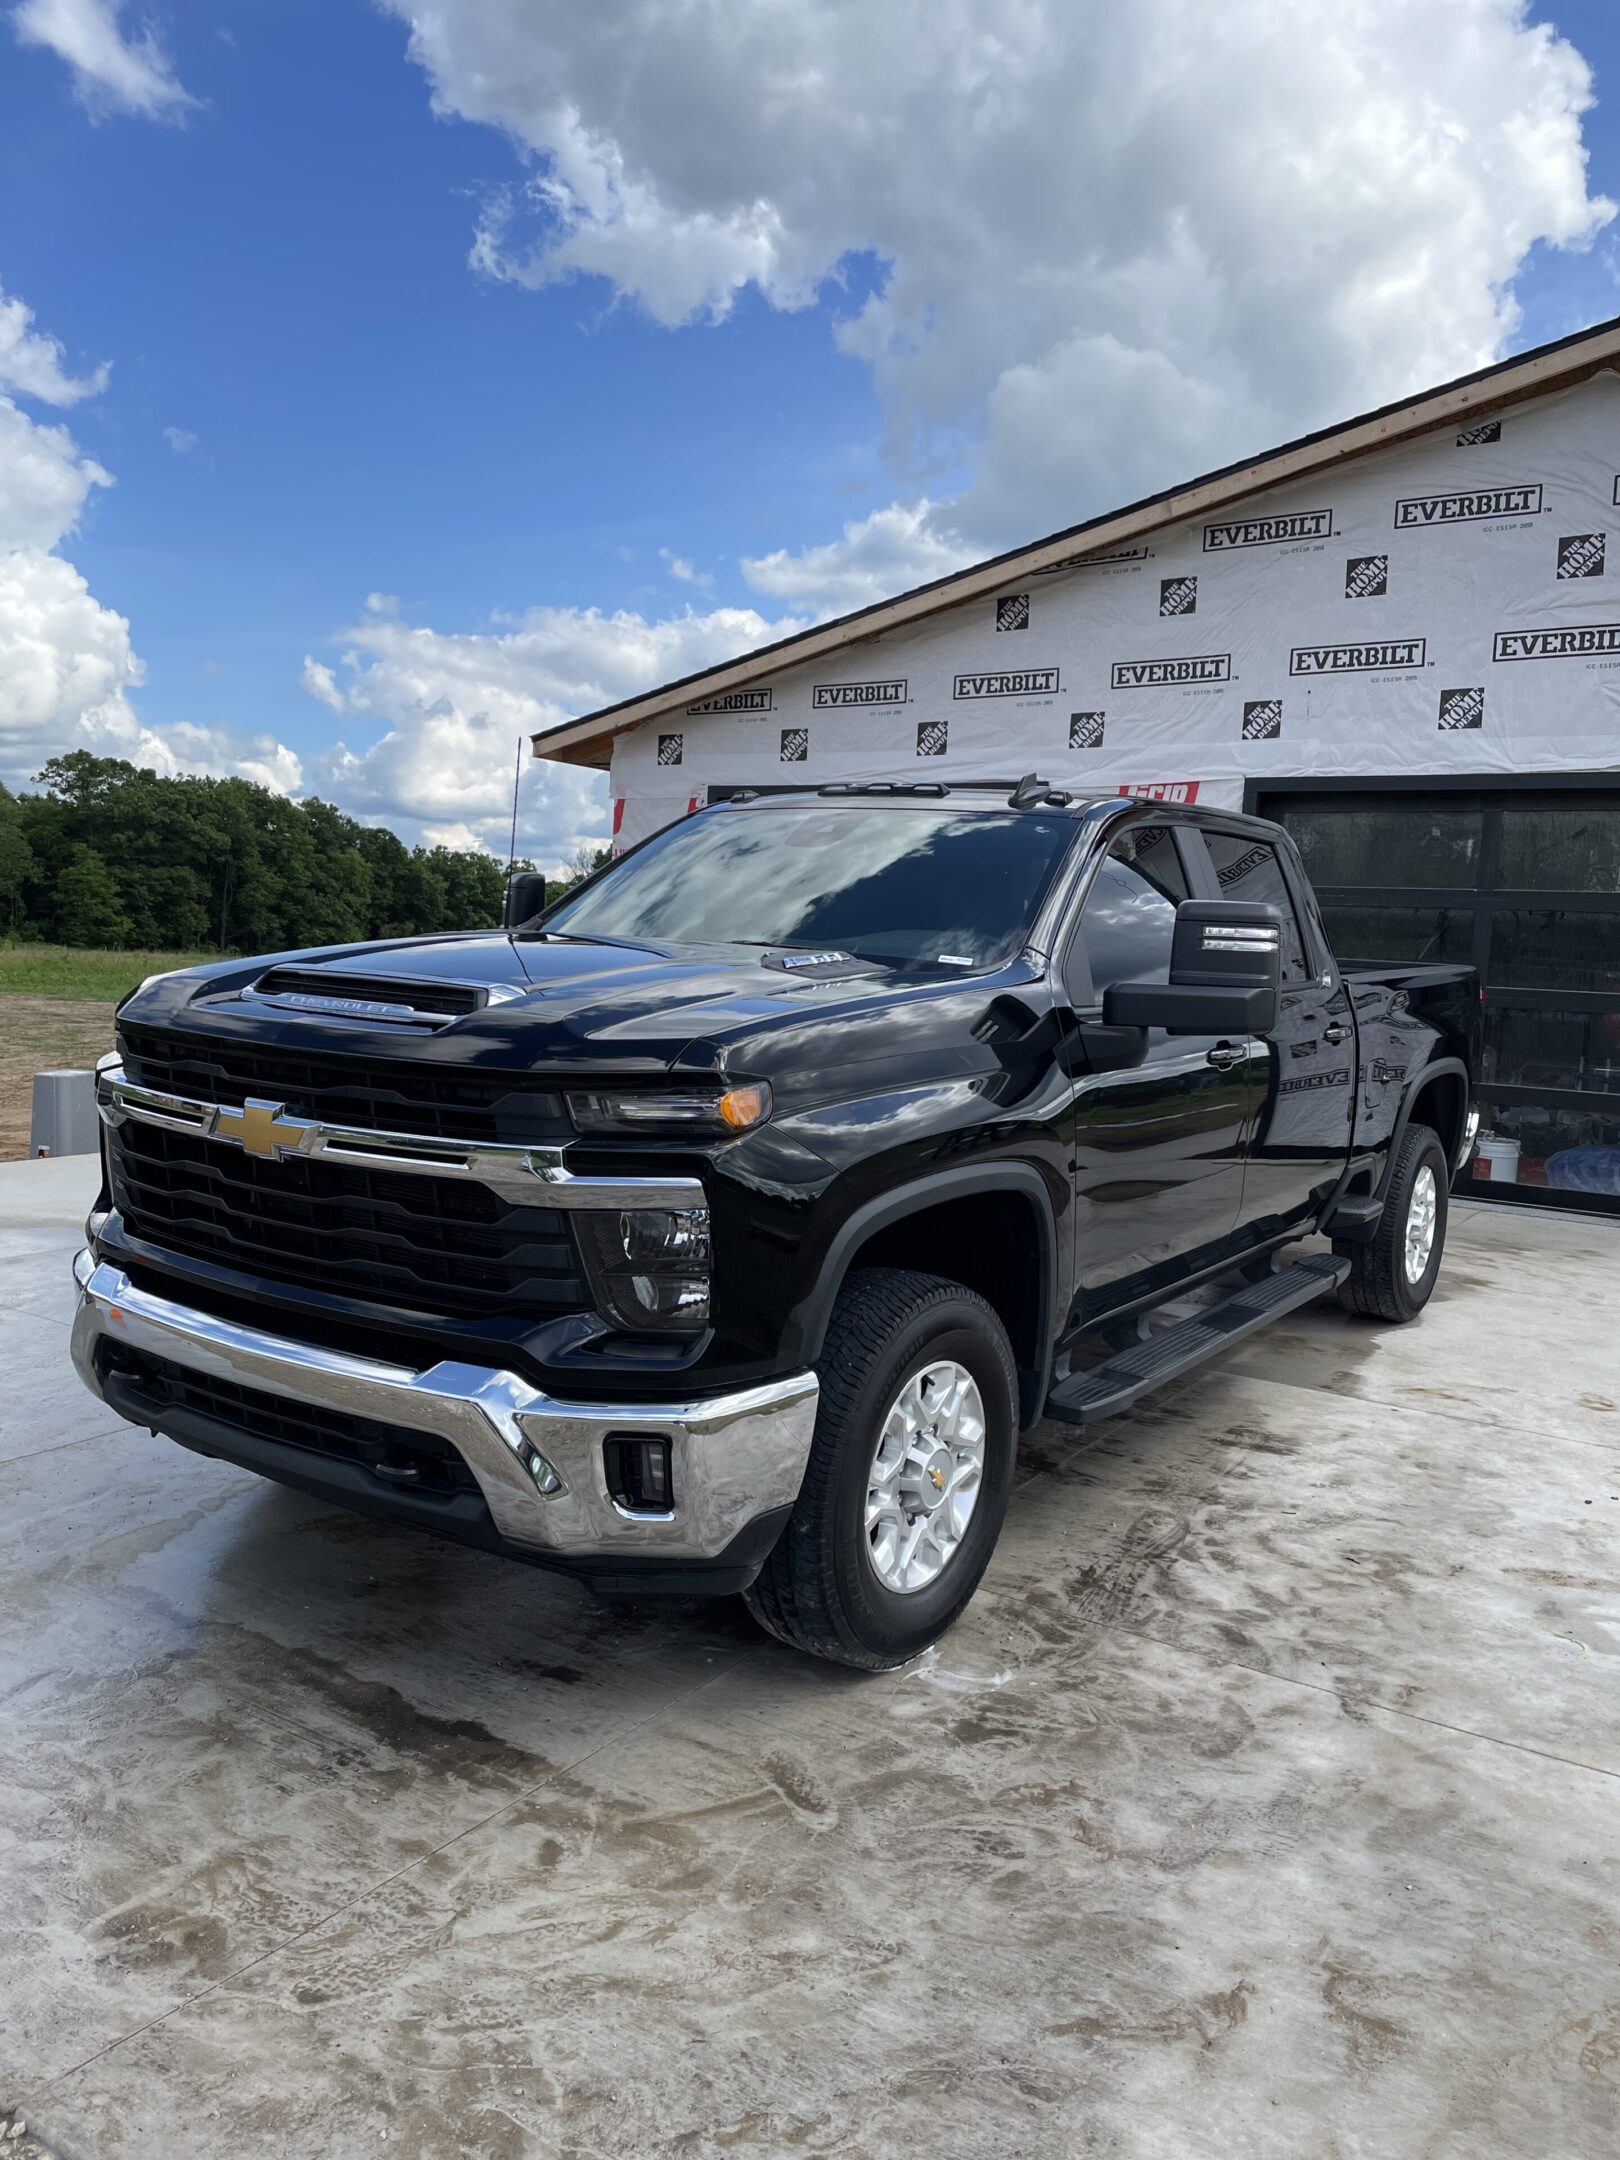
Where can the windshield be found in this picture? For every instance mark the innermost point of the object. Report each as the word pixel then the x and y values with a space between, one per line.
pixel 912 887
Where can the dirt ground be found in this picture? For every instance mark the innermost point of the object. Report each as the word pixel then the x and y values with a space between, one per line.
pixel 37 1033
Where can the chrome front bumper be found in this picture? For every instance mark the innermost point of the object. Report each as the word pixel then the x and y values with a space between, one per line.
pixel 538 1462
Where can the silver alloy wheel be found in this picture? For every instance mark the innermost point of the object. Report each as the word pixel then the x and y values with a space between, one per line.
pixel 925 1477
pixel 1422 1212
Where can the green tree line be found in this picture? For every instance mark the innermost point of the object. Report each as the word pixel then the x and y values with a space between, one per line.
pixel 110 855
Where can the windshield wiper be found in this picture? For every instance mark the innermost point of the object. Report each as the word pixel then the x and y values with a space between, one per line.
pixel 583 937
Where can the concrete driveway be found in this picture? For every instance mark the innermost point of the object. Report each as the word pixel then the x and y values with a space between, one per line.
pixel 1265 1803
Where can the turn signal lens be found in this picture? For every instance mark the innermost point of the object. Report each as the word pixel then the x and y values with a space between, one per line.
pixel 741 1107
pixel 672 1109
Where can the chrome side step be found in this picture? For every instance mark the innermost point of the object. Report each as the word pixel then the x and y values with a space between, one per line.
pixel 1086 1398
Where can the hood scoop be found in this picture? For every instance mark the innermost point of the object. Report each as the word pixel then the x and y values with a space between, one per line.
pixel 416 1002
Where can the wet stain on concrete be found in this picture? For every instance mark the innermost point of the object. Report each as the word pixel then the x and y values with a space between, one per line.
pixel 1371 2037
pixel 1204 2021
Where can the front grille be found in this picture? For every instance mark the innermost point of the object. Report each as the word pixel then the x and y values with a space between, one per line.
pixel 430 1245
pixel 432 1101
pixel 398 1457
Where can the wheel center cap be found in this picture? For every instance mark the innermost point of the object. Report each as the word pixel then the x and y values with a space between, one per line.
pixel 929 1486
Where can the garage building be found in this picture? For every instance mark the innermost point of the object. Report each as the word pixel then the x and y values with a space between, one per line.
pixel 1400 637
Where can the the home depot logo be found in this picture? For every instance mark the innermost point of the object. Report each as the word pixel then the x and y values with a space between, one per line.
pixel 1262 720
pixel 1366 577
pixel 933 737
pixel 732 701
pixel 1462 708
pixel 1581 555
pixel 670 748
pixel 1085 730
pixel 1012 613
pixel 1166 674
pixel 1010 682
pixel 1178 596
pixel 1468 506
pixel 1178 791
pixel 1595 641
pixel 1268 531
pixel 1390 653
pixel 1486 431
pixel 826 695
pixel 795 745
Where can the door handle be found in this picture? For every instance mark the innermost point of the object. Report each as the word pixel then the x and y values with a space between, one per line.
pixel 1335 1032
pixel 1225 1055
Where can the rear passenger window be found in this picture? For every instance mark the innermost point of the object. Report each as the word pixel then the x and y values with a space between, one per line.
pixel 1129 919
pixel 1249 870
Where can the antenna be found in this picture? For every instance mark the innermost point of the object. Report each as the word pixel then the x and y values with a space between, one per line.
pixel 517 782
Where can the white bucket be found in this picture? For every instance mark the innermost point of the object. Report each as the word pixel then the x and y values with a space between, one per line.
pixel 1498 1159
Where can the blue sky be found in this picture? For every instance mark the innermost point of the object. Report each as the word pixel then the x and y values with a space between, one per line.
pixel 682 358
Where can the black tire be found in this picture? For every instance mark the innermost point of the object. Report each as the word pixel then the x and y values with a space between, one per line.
pixel 819 1590
pixel 1378 1286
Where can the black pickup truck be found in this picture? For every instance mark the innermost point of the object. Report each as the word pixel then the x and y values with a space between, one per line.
pixel 721 1226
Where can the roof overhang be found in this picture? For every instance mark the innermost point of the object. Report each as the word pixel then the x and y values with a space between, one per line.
pixel 589 739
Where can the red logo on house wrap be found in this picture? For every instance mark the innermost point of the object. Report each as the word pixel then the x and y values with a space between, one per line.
pixel 1163 790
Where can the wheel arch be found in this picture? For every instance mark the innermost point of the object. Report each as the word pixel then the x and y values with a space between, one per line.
pixel 990 1227
pixel 1438 1096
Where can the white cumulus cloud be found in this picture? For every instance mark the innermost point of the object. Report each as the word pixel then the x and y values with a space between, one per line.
pixel 45 480
pixel 67 664
pixel 684 571
pixel 111 72
pixel 34 366
pixel 1103 247
pixel 885 553
pixel 318 681
pixel 451 707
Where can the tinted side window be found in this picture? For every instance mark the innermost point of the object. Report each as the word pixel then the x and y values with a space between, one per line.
pixel 1129 918
pixel 1249 870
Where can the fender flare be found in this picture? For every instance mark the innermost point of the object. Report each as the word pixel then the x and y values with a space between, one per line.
pixel 1436 1069
pixel 806 1325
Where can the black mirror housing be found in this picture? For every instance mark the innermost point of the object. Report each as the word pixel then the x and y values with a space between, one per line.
pixel 1225 974
pixel 525 897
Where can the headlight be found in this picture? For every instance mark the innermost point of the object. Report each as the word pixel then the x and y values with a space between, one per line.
pixel 644 1110
pixel 649 1267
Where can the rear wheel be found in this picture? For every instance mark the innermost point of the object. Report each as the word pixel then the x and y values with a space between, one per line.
pixel 1393 1275
pixel 909 1475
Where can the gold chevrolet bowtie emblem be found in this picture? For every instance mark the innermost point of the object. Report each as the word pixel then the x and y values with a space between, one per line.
pixel 938 1477
pixel 259 1128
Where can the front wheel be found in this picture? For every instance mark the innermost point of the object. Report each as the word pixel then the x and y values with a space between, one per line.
pixel 1393 1275
pixel 909 1475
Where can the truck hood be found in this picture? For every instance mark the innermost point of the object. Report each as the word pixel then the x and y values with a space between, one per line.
pixel 542 1004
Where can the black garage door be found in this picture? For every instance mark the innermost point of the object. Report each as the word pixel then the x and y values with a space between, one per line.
pixel 1524 882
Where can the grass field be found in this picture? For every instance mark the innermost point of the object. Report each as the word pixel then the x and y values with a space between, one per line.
pixel 69 971
pixel 56 1008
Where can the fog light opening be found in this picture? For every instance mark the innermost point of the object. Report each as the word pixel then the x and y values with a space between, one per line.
pixel 638 1473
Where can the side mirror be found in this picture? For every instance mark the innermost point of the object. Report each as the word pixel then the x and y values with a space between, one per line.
pixel 525 897
pixel 1225 974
